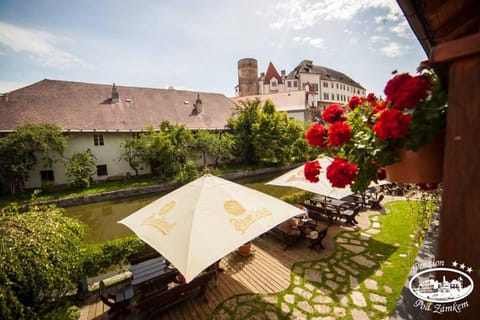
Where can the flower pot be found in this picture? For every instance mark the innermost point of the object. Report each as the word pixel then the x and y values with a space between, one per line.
pixel 422 166
pixel 244 250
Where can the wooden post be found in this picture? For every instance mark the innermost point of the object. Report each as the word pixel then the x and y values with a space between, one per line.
pixel 459 236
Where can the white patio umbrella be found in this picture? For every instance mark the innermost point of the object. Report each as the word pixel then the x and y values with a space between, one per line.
pixel 199 223
pixel 296 178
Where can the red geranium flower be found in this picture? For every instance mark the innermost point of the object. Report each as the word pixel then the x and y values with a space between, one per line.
pixel 391 124
pixel 339 133
pixel 316 135
pixel 354 102
pixel 341 173
pixel 371 98
pixel 379 106
pixel 405 91
pixel 312 170
pixel 333 114
pixel 394 84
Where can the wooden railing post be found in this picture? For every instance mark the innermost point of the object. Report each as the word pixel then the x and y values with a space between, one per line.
pixel 459 236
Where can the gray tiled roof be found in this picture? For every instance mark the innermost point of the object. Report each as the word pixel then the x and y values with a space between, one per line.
pixel 306 66
pixel 88 107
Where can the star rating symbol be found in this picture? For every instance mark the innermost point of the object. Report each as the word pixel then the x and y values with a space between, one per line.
pixel 462 266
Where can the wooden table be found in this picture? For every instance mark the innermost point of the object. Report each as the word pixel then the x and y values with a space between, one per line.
pixel 152 276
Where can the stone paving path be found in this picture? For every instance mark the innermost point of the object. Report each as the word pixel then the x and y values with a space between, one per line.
pixel 342 286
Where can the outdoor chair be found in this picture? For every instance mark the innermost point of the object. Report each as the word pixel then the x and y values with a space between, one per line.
pixel 350 215
pixel 117 299
pixel 316 240
pixel 375 203
pixel 287 232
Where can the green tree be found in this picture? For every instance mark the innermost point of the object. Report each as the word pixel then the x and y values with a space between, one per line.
pixel 269 137
pixel 168 151
pixel 20 151
pixel 42 260
pixel 134 153
pixel 80 168
pixel 242 130
pixel 219 145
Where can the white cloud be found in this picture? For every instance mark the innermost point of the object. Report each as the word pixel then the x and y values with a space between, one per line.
pixel 40 44
pixel 402 30
pixel 300 14
pixel 394 49
pixel 387 47
pixel 379 39
pixel 314 42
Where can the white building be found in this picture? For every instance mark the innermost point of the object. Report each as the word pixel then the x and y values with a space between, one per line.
pixel 320 86
pixel 101 117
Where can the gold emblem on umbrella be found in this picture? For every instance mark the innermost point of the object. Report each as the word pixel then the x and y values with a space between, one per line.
pixel 235 208
pixel 158 221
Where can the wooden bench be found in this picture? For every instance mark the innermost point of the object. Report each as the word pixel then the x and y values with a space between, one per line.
pixel 162 300
pixel 286 233
pixel 320 214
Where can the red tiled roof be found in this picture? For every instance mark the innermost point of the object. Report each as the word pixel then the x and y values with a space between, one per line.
pixel 88 107
pixel 272 73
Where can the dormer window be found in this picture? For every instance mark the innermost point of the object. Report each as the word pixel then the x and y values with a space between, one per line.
pixel 274 83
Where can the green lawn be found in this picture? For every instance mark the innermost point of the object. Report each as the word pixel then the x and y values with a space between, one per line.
pixel 339 285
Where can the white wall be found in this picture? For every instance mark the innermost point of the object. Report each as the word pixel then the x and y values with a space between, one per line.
pixel 108 154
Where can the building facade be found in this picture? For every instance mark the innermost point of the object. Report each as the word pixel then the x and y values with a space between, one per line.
pixel 102 117
pixel 320 86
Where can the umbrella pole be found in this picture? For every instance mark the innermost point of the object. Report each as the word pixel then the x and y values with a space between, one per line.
pixel 325 207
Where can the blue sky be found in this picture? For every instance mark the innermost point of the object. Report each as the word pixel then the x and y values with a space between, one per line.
pixel 195 45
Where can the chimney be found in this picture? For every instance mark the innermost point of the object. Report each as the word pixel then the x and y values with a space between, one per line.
pixel 115 97
pixel 198 104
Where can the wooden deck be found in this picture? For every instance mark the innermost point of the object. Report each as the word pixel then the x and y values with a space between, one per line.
pixel 266 270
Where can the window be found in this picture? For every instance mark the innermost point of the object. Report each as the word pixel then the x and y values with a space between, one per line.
pixel 314 86
pixel 47 176
pixel 102 170
pixel 325 96
pixel 98 139
pixel 331 84
pixel 325 84
pixel 337 85
pixel 136 135
pixel 333 96
pixel 295 83
pixel 274 83
pixel 289 84
pixel 338 96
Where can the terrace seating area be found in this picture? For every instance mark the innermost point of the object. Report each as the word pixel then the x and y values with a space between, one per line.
pixel 266 270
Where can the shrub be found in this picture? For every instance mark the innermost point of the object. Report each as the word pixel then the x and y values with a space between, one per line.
pixel 42 259
pixel 104 256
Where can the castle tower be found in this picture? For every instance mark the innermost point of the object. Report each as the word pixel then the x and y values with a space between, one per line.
pixel 247 77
